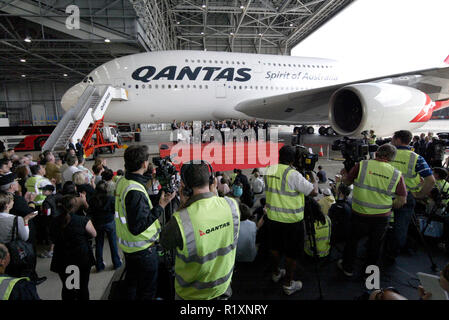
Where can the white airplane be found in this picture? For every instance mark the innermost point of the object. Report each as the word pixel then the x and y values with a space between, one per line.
pixel 196 85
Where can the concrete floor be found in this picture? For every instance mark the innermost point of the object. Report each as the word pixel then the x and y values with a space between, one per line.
pixel 244 282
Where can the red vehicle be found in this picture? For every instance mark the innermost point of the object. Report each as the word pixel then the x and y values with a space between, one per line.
pixel 26 138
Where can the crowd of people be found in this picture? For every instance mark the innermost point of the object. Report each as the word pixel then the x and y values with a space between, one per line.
pixel 69 210
pixel 431 148
pixel 184 131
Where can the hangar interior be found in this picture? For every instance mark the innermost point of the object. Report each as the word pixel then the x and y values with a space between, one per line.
pixel 40 58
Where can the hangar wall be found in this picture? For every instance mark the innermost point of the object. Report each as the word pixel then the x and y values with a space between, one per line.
pixel 16 98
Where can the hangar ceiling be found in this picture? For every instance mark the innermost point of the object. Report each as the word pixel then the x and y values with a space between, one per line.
pixel 114 28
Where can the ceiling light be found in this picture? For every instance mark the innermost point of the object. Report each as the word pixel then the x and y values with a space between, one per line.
pixel 27 39
pixel 107 40
pixel 23 76
pixel 260 34
pixel 242 7
pixel 232 33
pixel 202 33
pixel 177 22
pixel 204 6
pixel 66 75
pixel 291 24
pixel 23 60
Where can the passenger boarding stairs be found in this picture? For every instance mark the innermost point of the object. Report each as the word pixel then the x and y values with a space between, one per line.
pixel 91 107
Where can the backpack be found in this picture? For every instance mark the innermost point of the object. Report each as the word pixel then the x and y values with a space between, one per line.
pixel 340 215
pixel 21 252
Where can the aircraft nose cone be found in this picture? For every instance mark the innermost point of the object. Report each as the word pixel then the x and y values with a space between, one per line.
pixel 70 98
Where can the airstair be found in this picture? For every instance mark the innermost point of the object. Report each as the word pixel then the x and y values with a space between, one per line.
pixel 88 111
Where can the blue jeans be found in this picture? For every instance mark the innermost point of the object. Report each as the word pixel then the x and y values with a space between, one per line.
pixel 141 274
pixel 402 218
pixel 109 229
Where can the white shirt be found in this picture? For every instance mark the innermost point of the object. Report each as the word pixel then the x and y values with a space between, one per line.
pixel 258 185
pixel 68 173
pixel 297 182
pixel 6 225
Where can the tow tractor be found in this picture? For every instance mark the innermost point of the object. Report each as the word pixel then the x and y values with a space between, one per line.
pixel 85 122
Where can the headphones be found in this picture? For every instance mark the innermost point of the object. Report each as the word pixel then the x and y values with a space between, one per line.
pixel 188 191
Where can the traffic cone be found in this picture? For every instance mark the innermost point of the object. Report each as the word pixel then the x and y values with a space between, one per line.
pixel 321 154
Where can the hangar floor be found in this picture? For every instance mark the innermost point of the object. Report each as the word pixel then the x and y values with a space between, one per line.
pixel 253 281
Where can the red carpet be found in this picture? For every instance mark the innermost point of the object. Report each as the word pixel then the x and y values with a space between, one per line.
pixel 239 155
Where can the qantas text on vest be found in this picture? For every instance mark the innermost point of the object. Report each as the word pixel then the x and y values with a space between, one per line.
pixel 227 224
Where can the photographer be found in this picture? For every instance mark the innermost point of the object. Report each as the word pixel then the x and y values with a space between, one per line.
pixel 138 225
pixel 442 201
pixel 414 169
pixel 285 190
pixel 376 182
pixel 205 234
pixel 340 214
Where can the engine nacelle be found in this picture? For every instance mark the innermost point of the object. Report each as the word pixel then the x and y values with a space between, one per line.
pixel 381 107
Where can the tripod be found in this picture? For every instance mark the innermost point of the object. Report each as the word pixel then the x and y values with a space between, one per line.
pixel 421 236
pixel 310 230
pixel 167 259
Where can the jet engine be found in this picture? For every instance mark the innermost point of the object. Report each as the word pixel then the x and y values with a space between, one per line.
pixel 381 107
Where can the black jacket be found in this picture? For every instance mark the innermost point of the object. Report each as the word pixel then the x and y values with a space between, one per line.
pixel 102 212
pixel 23 291
pixel 139 216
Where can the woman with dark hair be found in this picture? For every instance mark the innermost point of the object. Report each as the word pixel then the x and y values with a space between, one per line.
pixel 69 188
pixel 102 210
pixel 23 172
pixel 70 233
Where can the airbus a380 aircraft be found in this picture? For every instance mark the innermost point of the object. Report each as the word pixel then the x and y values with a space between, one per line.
pixel 197 85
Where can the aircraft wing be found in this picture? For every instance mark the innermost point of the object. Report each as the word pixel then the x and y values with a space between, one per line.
pixel 312 106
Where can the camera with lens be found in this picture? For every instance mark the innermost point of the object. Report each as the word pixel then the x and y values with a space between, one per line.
pixel 304 160
pixel 381 142
pixel 353 150
pixel 439 148
pixel 165 174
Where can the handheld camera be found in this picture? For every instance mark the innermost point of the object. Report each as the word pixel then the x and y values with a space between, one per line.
pixel 165 174
pixel 353 150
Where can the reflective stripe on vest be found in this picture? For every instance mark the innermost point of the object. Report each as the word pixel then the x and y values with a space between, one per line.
pixel 190 237
pixel 282 203
pixel 405 161
pixel 373 187
pixel 7 285
pixel 203 271
pixel 322 238
pixel 32 184
pixel 361 184
pixel 443 186
pixel 128 242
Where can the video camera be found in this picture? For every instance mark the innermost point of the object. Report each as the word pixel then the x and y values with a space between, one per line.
pixel 353 150
pixel 165 174
pixel 439 148
pixel 304 160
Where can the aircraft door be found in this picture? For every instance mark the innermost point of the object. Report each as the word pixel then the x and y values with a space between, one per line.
pixel 119 82
pixel 220 89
